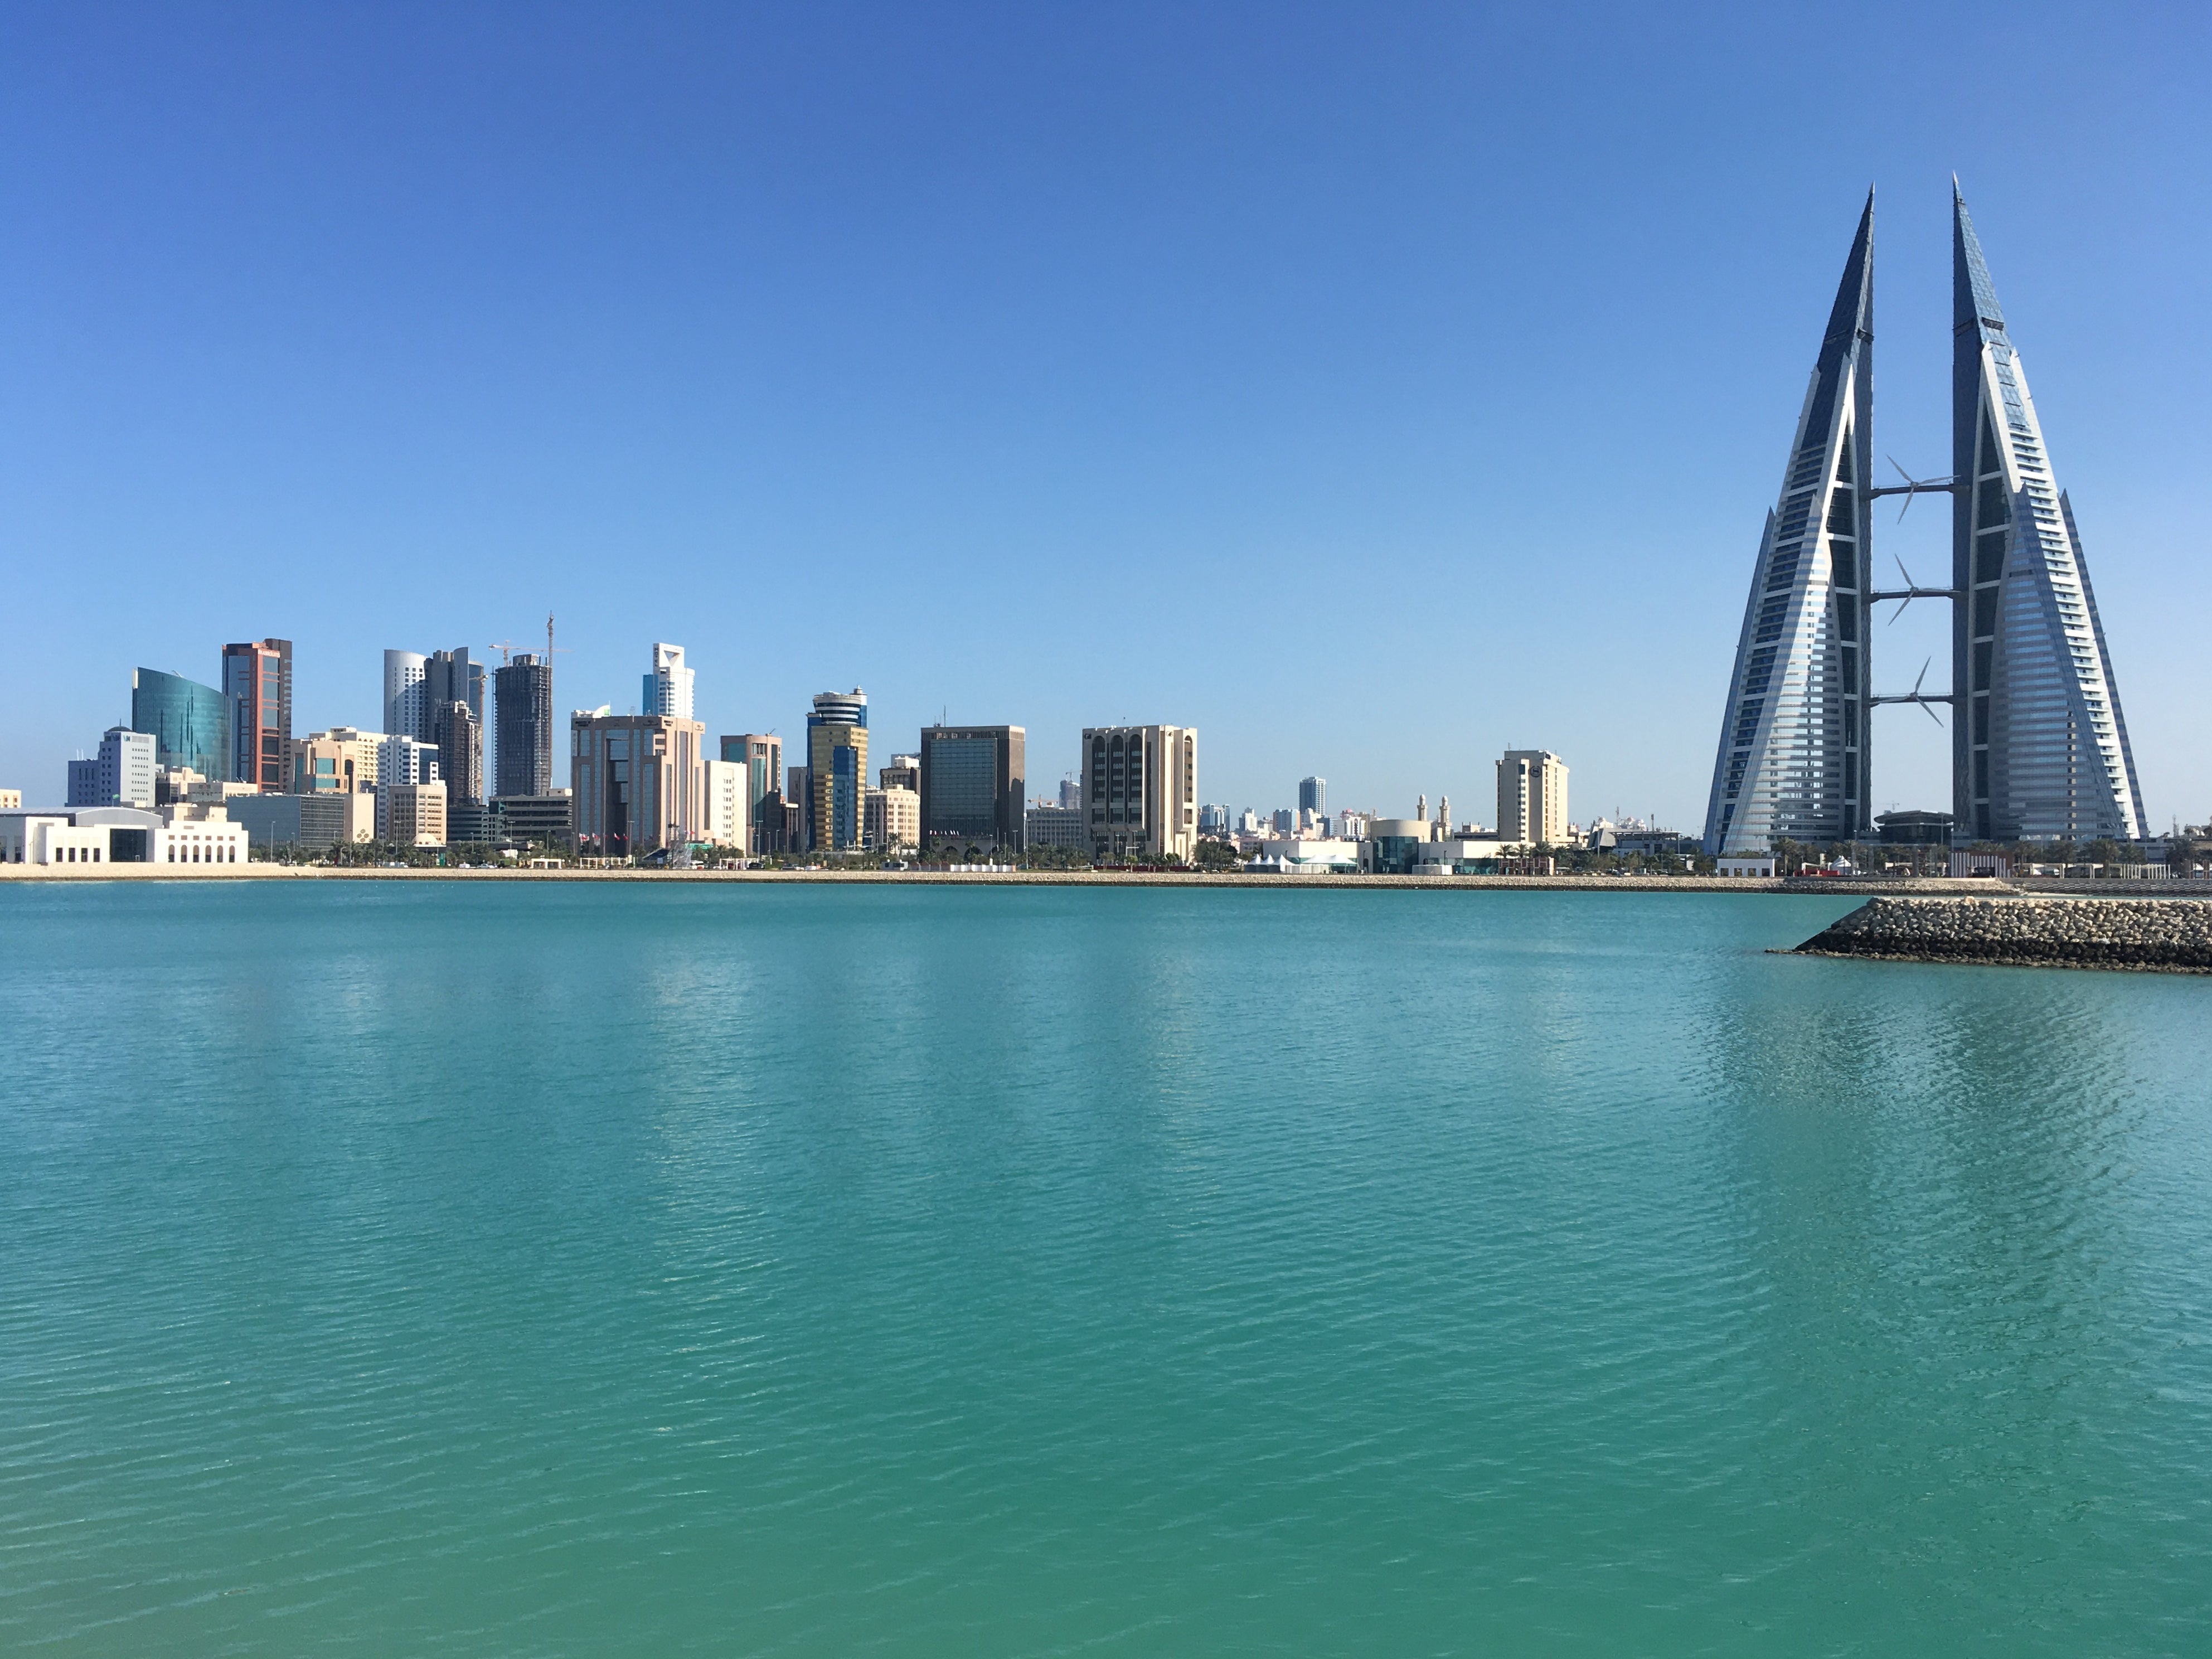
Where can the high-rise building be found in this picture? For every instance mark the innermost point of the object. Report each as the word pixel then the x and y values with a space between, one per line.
pixel 1140 791
pixel 406 712
pixel 667 684
pixel 761 753
pixel 639 782
pixel 1211 820
pixel 256 679
pixel 972 784
pixel 903 773
pixel 453 703
pixel 1071 792
pixel 522 756
pixel 1794 744
pixel 1532 799
pixel 189 723
pixel 837 770
pixel 120 774
pixel 2039 747
pixel 1313 797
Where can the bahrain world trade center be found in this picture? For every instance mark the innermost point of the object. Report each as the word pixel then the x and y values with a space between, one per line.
pixel 2039 749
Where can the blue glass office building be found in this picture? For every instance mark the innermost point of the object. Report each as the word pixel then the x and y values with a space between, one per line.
pixel 189 723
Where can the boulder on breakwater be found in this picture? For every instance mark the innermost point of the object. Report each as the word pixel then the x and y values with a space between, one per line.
pixel 2171 936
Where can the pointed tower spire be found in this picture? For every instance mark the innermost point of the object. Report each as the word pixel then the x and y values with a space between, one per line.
pixel 1793 747
pixel 2039 748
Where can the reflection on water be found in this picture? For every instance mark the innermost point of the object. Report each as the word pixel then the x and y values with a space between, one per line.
pixel 568 1270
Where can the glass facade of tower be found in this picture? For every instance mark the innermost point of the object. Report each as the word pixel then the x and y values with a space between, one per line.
pixel 257 678
pixel 2039 748
pixel 1794 739
pixel 971 784
pixel 189 723
pixel 837 770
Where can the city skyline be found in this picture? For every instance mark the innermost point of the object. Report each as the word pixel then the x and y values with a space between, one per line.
pixel 1319 348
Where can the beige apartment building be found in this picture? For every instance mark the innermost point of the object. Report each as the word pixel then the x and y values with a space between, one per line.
pixel 1140 791
pixel 411 814
pixel 894 818
pixel 1532 799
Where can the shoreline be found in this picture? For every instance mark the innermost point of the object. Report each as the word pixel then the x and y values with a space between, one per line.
pixel 1799 885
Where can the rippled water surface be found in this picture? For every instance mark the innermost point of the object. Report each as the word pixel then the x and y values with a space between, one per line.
pixel 405 1268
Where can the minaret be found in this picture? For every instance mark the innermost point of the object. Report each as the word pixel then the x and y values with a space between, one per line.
pixel 1793 749
pixel 1443 817
pixel 2039 746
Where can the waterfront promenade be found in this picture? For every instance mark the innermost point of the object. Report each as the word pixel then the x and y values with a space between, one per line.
pixel 1589 884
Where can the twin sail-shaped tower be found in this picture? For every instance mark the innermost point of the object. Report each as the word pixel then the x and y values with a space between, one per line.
pixel 2039 750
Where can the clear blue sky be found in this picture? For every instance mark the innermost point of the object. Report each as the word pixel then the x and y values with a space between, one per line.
pixel 1369 387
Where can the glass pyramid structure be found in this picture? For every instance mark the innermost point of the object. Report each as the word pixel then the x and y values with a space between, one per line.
pixel 2039 750
pixel 1793 743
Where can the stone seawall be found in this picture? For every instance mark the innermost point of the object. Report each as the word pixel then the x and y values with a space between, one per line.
pixel 2171 936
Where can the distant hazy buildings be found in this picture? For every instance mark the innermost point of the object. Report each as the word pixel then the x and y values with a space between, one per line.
pixel 1532 799
pixel 120 774
pixel 189 723
pixel 639 782
pixel 1313 797
pixel 522 752
pixel 972 784
pixel 1211 820
pixel 837 770
pixel 1140 791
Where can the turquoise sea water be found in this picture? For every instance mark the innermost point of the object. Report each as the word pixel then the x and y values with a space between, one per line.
pixel 411 1268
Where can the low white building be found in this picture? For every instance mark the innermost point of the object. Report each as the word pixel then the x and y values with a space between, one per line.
pixel 122 835
pixel 1297 856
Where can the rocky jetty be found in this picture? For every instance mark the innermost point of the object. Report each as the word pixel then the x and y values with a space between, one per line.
pixel 2172 936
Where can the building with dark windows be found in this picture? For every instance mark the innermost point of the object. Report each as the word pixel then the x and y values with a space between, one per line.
pixel 837 771
pixel 972 779
pixel 256 678
pixel 1140 791
pixel 1313 797
pixel 2039 748
pixel 638 783
pixel 453 698
pixel 522 752
pixel 189 723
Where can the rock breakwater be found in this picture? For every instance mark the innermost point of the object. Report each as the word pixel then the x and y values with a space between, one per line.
pixel 2171 936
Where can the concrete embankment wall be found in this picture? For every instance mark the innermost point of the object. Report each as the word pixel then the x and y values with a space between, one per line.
pixel 2167 936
